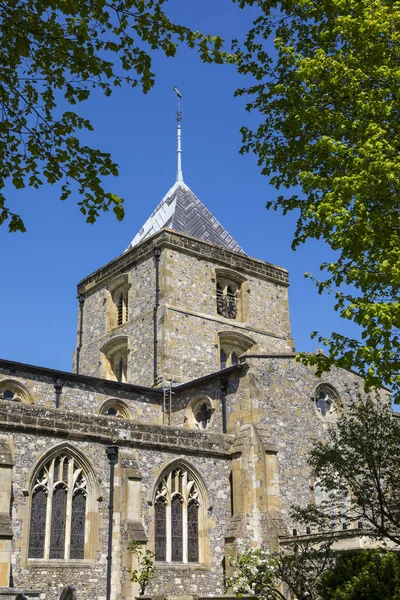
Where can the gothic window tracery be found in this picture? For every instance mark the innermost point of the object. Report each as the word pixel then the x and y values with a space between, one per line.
pixel 176 510
pixel 13 391
pixel 326 400
pixel 58 510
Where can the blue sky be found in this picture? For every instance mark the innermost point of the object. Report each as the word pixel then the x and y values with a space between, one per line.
pixel 40 269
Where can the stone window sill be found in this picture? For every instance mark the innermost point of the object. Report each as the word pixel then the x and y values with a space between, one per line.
pixel 61 564
pixel 182 566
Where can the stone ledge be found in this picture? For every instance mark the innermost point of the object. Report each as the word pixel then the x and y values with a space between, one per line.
pixel 102 429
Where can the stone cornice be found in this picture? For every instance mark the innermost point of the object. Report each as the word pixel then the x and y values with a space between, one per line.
pixel 166 238
pixel 102 429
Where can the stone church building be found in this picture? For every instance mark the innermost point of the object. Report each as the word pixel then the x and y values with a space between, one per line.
pixel 185 363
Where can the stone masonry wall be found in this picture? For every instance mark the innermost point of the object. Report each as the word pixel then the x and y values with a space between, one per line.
pixel 188 323
pixel 138 328
pixel 190 343
pixel 86 398
pixel 282 393
pixel 35 430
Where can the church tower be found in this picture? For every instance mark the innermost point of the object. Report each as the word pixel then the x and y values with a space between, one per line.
pixel 182 301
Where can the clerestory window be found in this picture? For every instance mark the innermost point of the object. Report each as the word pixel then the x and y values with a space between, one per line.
pixel 326 401
pixel 179 521
pixel 58 510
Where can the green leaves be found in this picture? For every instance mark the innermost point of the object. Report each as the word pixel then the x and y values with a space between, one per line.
pixel 71 48
pixel 330 106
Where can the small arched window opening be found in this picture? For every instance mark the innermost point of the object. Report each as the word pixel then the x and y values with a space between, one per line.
pixel 179 518
pixel 13 391
pixel 199 413
pixel 227 299
pixel 115 408
pixel 58 510
pixel 115 359
pixel 326 401
pixel 117 296
pixel 232 346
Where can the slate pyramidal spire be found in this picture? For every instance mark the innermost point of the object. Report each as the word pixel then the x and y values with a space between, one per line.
pixel 182 211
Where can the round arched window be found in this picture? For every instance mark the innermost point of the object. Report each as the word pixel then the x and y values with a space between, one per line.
pixel 115 408
pixel 13 391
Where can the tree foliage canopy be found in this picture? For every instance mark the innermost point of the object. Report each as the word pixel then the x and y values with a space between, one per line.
pixel 328 98
pixel 363 575
pixel 63 49
pixel 359 469
pixel 298 567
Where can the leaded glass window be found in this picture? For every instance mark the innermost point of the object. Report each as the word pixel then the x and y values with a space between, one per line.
pixel 58 511
pixel 193 531
pixel 223 359
pixel 176 529
pixel 177 520
pixel 38 523
pixel 161 530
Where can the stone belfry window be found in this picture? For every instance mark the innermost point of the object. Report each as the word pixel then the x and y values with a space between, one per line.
pixel 121 301
pixel 58 510
pixel 227 299
pixel 117 297
pixel 178 518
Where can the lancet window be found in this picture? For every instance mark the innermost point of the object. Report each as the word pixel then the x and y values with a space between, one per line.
pixel 58 510
pixel 177 512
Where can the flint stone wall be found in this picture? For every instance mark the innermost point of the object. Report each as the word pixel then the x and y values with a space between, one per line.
pixel 283 399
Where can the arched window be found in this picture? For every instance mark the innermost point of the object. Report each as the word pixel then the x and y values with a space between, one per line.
pixel 58 510
pixel 334 504
pixel 232 345
pixel 117 296
pixel 115 408
pixel 179 522
pixel 13 391
pixel 326 400
pixel 115 359
pixel 199 412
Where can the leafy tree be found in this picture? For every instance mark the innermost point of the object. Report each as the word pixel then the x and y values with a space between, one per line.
pixel 145 562
pixel 53 50
pixel 360 462
pixel 328 98
pixel 297 568
pixel 363 575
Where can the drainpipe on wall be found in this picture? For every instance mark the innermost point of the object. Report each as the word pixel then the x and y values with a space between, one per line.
pixel 223 382
pixel 58 388
pixel 157 254
pixel 81 299
pixel 112 455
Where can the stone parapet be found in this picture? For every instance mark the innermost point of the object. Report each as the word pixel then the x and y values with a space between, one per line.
pixel 171 239
pixel 72 425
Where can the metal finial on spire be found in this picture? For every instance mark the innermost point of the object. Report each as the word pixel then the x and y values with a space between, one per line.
pixel 179 175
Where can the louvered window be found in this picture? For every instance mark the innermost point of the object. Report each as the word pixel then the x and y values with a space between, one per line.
pixel 120 310
pixel 227 299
